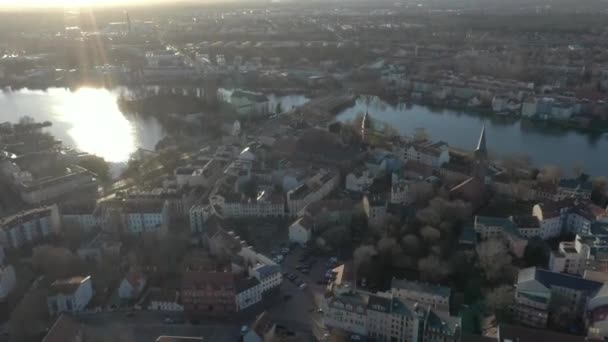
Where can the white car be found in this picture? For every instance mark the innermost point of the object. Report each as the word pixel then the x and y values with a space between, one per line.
pixel 303 286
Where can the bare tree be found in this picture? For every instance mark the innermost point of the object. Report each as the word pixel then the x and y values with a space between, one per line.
pixel 422 192
pixel 432 268
pixel 362 258
pixel 430 234
pixel 549 174
pixel 500 299
pixel 494 260
pixel 412 245
pixel 55 262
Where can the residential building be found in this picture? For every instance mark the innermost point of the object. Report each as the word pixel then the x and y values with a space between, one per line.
pixel 400 190
pixel 7 281
pixel 301 230
pixel 145 216
pixel 580 188
pixel 550 220
pixel 132 285
pixel 267 203
pixel 314 189
pixel 101 245
pixel 80 215
pixel 435 296
pixel 428 153
pixel 501 228
pixel 512 333
pixel 330 211
pixel 250 103
pixel 248 292
pixel 70 295
pixel 208 288
pixel 539 291
pixel 269 276
pixel 571 257
pixel 358 180
pixel 375 207
pixel 527 226
pixel 385 317
pixel 529 107
pixel 48 189
pixel 165 300
pixel 262 330
pixel 29 227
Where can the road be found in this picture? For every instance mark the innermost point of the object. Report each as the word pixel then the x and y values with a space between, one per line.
pixel 148 326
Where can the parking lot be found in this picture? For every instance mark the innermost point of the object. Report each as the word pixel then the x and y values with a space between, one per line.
pixel 300 307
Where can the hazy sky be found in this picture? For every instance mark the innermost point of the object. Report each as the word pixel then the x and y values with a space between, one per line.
pixel 70 3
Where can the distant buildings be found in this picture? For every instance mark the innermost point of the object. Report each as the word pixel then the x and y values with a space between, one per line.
pixel 434 296
pixel 313 190
pixel 301 230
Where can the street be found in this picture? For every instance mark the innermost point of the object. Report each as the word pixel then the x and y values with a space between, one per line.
pixel 148 326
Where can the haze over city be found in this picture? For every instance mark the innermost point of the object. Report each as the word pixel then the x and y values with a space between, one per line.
pixel 285 171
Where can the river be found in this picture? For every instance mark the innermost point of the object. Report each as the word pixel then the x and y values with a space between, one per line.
pixel 87 119
pixel 505 136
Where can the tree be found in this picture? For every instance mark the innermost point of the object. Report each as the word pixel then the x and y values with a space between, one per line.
pixel 412 245
pixel 600 190
pixel 362 259
pixel 537 252
pixel 430 234
pixel 433 269
pixel 279 108
pixel 72 233
pixel 420 134
pixel 98 166
pixel 429 216
pixel 495 260
pixel 422 192
pixel 499 301
pixel 549 174
pixel 55 262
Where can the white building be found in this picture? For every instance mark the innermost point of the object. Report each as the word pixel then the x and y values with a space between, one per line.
pixel 384 317
pixel 435 296
pixel 428 153
pixel 47 189
pixel 550 220
pixel 80 215
pixel 233 205
pixel 132 285
pixel 70 295
pixel 400 190
pixel 164 300
pixel 499 103
pixel 375 210
pixel 269 276
pixel 315 189
pixel 248 292
pixel 7 281
pixel 145 217
pixel 571 257
pixel 529 107
pixel 250 103
pixel 29 227
pixel 359 180
pixel 301 230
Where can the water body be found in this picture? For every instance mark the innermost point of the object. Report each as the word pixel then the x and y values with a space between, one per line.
pixel 287 102
pixel 87 119
pixel 505 136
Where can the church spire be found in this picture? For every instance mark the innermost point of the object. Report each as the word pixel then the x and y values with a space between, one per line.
pixel 365 125
pixel 482 150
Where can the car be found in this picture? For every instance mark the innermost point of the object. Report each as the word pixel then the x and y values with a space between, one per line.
pixel 302 286
pixel 305 270
pixel 244 329
pixel 285 250
pixel 298 282
pixel 319 310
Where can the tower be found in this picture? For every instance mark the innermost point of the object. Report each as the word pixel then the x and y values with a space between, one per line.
pixel 480 168
pixel 129 28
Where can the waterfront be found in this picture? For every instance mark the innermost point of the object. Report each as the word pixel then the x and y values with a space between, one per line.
pixel 87 119
pixel 506 136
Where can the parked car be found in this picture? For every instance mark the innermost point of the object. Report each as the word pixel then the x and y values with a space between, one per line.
pixel 303 286
pixel 305 270
pixel 244 329
pixel 285 250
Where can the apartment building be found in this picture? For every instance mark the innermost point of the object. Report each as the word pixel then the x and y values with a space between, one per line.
pixel 29 227
pixel 435 296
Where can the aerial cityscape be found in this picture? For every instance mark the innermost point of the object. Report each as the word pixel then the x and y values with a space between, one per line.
pixel 278 171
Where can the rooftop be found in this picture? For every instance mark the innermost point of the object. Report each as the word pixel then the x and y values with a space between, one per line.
pixel 67 286
pixel 420 287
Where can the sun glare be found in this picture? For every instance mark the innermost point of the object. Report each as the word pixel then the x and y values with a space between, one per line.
pixel 60 3
pixel 98 125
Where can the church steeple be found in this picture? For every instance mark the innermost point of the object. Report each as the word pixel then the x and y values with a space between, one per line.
pixel 480 169
pixel 365 125
pixel 482 150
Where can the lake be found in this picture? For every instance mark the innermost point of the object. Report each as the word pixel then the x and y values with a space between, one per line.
pixel 505 136
pixel 87 119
